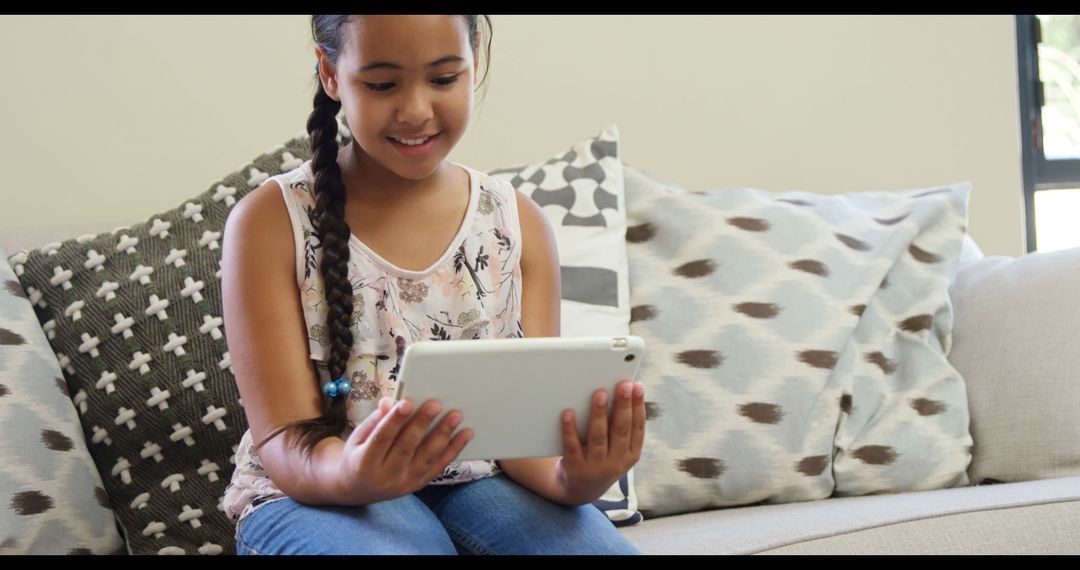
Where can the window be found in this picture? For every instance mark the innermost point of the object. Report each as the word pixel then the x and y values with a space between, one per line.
pixel 1048 57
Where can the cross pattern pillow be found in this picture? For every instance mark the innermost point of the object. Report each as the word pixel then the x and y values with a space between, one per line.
pixel 134 318
pixel 796 344
pixel 581 192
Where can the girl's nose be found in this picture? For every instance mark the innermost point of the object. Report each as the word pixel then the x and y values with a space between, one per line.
pixel 415 108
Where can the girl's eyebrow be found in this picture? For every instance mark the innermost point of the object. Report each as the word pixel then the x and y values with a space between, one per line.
pixel 388 65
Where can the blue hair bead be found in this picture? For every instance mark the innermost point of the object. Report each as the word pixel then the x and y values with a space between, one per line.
pixel 343 387
pixel 330 389
pixel 335 388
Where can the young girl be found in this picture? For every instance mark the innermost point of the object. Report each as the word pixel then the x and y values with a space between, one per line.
pixel 347 260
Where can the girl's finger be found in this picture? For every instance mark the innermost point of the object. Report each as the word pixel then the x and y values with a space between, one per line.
pixel 598 433
pixel 388 429
pixel 637 428
pixel 622 416
pixel 571 444
pixel 361 432
pixel 457 444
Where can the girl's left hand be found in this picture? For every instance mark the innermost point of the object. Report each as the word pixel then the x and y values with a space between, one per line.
pixel 613 445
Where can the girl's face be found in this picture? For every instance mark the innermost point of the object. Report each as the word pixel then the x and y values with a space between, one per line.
pixel 403 76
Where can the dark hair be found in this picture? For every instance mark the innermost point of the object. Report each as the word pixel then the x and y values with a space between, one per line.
pixel 328 217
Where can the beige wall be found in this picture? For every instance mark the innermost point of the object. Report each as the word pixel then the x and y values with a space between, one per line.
pixel 115 118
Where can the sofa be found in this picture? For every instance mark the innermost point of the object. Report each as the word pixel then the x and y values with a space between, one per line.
pixel 1010 334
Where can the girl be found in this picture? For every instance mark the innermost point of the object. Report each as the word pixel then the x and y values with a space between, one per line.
pixel 351 257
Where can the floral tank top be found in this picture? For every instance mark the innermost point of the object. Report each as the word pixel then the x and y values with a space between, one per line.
pixel 473 291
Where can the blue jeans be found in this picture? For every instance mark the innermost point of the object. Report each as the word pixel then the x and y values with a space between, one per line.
pixel 494 515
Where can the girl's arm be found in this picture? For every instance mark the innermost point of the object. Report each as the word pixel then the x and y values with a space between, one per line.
pixel 267 339
pixel 541 292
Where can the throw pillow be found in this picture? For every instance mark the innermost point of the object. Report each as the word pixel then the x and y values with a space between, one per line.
pixel 796 344
pixel 581 191
pixel 1016 331
pixel 134 317
pixel 53 499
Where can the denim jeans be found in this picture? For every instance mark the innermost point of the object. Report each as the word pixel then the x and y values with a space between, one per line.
pixel 494 515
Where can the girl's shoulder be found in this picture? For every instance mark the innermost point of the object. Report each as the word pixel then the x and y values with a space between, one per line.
pixel 298 183
pixel 301 175
pixel 487 182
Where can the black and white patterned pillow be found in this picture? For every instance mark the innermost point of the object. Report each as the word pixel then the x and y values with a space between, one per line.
pixel 134 318
pixel 581 191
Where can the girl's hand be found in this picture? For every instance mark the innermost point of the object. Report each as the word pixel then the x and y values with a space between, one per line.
pixel 613 445
pixel 387 455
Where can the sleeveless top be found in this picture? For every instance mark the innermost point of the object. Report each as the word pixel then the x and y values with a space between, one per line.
pixel 473 291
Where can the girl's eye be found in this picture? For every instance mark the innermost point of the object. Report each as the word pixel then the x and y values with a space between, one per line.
pixel 447 80
pixel 387 86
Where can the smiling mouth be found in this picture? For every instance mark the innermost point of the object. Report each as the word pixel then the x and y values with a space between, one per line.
pixel 396 139
pixel 415 150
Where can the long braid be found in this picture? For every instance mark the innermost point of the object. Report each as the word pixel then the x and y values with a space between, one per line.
pixel 334 232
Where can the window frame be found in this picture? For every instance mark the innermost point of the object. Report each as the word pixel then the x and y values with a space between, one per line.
pixel 1038 173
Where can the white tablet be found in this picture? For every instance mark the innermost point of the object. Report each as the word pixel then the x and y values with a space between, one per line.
pixel 512 392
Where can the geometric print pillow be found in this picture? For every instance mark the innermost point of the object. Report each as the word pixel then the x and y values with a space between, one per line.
pixel 53 501
pixel 797 343
pixel 581 192
pixel 134 318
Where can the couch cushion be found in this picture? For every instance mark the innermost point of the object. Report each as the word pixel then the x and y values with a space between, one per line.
pixel 1017 344
pixel 1046 528
pixel 984 519
pixel 796 343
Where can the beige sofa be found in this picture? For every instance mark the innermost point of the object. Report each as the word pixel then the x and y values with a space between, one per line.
pixel 1035 516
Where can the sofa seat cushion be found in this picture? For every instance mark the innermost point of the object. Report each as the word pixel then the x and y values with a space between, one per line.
pixel 1000 518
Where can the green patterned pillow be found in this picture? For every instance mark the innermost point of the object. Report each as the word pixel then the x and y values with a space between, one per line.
pixel 797 344
pixel 134 317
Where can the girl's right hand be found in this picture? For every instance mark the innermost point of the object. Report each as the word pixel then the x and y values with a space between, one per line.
pixel 387 455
